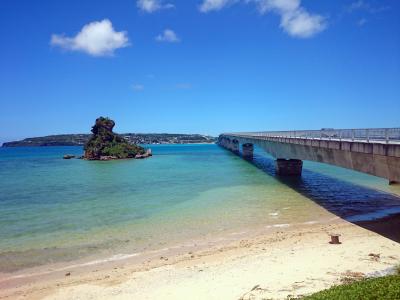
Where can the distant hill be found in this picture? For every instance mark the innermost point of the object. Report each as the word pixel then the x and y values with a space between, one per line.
pixel 134 138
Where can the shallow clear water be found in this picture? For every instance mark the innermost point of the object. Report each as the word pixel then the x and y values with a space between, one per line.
pixel 55 210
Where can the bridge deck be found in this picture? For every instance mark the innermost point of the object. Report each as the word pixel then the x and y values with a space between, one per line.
pixel 373 141
pixel 372 151
pixel 368 135
pixel 378 147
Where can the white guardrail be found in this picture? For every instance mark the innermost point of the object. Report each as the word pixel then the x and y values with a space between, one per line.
pixel 382 135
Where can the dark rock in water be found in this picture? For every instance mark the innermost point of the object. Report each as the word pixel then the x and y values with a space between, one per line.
pixel 68 156
pixel 104 144
pixel 145 155
pixel 108 157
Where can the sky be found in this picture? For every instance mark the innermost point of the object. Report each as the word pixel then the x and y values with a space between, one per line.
pixel 201 66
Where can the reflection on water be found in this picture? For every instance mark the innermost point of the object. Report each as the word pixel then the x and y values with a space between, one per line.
pixel 352 199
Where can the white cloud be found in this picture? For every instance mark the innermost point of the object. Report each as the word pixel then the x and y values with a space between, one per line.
pixel 295 19
pixel 168 35
pixel 150 6
pixel 138 87
pixel 212 5
pixel 300 23
pixel 362 5
pixel 364 10
pixel 280 5
pixel 96 38
pixel 362 22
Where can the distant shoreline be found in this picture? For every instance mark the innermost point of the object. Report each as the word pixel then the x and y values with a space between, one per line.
pixel 133 138
pixel 41 146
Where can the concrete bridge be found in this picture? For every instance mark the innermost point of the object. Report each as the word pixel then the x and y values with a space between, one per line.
pixel 371 151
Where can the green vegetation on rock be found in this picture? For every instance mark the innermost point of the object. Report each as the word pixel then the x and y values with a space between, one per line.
pixel 105 143
pixel 382 288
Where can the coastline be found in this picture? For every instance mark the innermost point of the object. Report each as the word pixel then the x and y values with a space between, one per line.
pixel 5 144
pixel 275 263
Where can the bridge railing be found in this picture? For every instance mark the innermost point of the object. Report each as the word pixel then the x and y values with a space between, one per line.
pixel 385 135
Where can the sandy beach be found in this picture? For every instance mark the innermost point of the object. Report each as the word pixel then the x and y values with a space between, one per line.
pixel 287 261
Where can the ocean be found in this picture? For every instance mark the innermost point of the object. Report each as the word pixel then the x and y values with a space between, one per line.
pixel 61 211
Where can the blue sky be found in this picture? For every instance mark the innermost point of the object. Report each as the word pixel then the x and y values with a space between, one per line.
pixel 204 66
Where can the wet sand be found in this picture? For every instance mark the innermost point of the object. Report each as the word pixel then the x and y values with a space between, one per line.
pixel 286 261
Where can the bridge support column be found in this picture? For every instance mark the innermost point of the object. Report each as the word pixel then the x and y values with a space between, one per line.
pixel 235 146
pixel 222 141
pixel 248 150
pixel 289 167
pixel 226 143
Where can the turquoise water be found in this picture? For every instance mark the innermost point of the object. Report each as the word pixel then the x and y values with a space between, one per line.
pixel 55 210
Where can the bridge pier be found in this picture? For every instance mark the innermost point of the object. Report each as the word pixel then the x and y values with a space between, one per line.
pixel 288 167
pixel 229 144
pixel 222 141
pixel 235 146
pixel 225 143
pixel 248 150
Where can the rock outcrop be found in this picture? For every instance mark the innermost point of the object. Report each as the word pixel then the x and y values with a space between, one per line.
pixel 104 144
pixel 147 154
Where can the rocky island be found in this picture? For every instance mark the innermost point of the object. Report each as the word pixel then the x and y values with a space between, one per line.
pixel 104 144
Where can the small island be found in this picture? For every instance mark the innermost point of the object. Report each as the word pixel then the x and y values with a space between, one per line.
pixel 104 144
